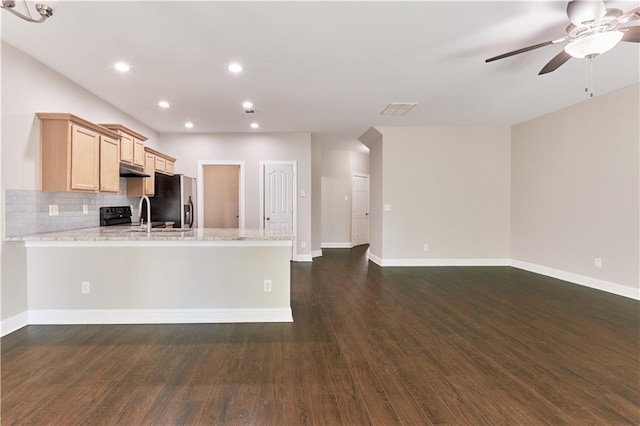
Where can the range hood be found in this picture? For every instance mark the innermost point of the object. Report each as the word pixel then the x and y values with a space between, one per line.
pixel 127 170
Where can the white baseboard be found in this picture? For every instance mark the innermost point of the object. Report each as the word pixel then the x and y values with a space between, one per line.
pixel 375 259
pixel 14 323
pixel 439 262
pixel 304 258
pixel 157 316
pixel 316 253
pixel 346 245
pixel 619 289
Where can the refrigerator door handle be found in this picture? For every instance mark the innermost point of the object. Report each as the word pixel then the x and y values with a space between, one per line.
pixel 191 207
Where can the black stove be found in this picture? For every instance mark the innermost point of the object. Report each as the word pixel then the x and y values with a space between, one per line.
pixel 110 216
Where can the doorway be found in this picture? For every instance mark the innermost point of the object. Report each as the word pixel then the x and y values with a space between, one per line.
pixel 360 210
pixel 222 194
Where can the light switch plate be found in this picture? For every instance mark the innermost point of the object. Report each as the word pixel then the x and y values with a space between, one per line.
pixel 387 207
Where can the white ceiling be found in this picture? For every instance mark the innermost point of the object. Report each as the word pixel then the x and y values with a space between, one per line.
pixel 321 67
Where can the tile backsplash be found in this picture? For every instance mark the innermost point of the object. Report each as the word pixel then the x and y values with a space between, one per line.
pixel 27 211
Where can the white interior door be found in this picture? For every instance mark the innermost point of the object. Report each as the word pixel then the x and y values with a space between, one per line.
pixel 360 210
pixel 278 197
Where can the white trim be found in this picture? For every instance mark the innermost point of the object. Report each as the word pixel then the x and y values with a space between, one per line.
pixel 346 245
pixel 294 167
pixel 304 258
pixel 200 187
pixel 439 262
pixel 316 253
pixel 161 243
pixel 158 316
pixel 619 289
pixel 375 259
pixel 14 323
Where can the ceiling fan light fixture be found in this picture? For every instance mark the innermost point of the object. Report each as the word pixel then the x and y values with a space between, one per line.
pixel 593 44
pixel 42 10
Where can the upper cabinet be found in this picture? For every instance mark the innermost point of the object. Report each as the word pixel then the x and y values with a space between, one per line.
pixel 131 144
pixel 71 150
pixel 163 163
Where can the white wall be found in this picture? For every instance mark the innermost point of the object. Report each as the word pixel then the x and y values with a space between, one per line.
pixel 341 157
pixel 316 195
pixel 449 188
pixel 250 148
pixel 29 86
pixel 372 139
pixel 575 189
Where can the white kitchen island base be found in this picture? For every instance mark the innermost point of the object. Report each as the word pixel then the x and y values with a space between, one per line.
pixel 158 281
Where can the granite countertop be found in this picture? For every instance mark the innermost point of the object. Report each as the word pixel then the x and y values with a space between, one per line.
pixel 135 233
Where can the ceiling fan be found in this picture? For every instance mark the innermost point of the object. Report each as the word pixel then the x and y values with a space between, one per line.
pixel 594 30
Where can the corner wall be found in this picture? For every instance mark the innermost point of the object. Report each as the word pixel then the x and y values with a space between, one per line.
pixel 449 188
pixel 576 191
pixel 28 86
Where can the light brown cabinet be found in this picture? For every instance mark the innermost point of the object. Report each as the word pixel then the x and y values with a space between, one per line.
pixel 170 167
pixel 109 164
pixel 138 152
pixel 70 153
pixel 131 144
pixel 163 163
pixel 144 186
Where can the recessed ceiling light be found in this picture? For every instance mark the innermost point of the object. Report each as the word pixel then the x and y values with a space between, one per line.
pixel 247 105
pixel 188 125
pixel 164 104
pixel 122 67
pixel 254 125
pixel 235 67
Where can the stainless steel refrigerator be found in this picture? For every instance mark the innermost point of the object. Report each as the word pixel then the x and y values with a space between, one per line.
pixel 174 200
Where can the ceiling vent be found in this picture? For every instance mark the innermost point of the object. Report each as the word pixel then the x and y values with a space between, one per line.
pixel 398 108
pixel 249 111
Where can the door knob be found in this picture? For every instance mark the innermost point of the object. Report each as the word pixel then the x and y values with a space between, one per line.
pixel 268 218
pixel 366 214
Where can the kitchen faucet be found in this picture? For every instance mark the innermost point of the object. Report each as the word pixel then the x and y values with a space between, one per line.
pixel 144 197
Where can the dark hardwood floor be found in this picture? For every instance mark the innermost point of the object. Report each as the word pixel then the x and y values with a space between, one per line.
pixel 414 346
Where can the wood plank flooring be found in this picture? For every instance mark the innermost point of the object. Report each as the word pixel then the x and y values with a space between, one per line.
pixel 392 346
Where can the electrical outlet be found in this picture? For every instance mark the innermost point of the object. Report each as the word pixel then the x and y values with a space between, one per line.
pixel 346 198
pixel 303 244
pixel 425 247
pixel 597 262
pixel 267 285
pixel 85 209
pixel 85 287
pixel 303 193
pixel 53 210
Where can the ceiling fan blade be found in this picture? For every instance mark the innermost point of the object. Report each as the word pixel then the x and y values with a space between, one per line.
pixel 632 15
pixel 632 34
pixel 555 63
pixel 580 11
pixel 516 52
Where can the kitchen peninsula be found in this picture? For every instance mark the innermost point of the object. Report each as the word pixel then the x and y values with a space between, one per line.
pixel 117 275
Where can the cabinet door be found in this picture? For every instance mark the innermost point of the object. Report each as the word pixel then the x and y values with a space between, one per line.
pixel 170 167
pixel 126 148
pixel 138 152
pixel 149 168
pixel 109 165
pixel 161 164
pixel 85 154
